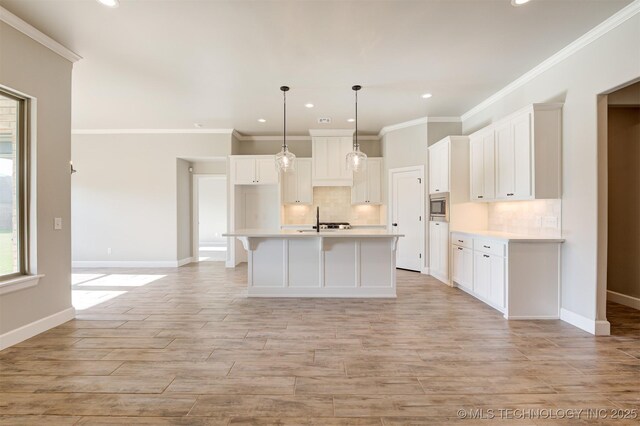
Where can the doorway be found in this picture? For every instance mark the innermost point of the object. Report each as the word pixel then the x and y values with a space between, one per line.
pixel 209 217
pixel 623 209
pixel 406 208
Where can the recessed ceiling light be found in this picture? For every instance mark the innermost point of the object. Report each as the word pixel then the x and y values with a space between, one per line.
pixel 519 2
pixel 262 120
pixel 109 3
pixel 426 96
pixel 351 120
pixel 308 105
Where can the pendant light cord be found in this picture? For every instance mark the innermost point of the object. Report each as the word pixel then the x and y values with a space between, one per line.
pixel 284 130
pixel 356 145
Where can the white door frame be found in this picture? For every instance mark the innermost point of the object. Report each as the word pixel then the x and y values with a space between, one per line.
pixel 423 234
pixel 195 213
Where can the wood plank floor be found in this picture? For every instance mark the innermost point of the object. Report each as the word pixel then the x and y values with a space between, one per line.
pixel 184 346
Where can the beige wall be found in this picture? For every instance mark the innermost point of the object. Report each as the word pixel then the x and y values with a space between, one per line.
pixel 604 64
pixel 28 67
pixel 623 271
pixel 125 193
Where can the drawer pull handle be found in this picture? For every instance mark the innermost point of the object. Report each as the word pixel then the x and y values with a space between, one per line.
pixel 480 196
pixel 485 255
pixel 461 241
pixel 459 248
pixel 510 195
pixel 487 247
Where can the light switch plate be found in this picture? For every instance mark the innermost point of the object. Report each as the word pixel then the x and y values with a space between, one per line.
pixel 550 222
pixel 57 223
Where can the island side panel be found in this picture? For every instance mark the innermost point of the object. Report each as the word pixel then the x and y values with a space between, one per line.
pixel 304 262
pixel 340 255
pixel 377 262
pixel 266 261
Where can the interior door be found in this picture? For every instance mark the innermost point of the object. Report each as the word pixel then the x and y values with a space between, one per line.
pixel 406 210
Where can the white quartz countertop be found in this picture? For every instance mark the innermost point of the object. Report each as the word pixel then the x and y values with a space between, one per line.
pixel 508 237
pixel 292 233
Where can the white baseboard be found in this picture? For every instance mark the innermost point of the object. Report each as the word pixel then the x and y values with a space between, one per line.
pixel 440 278
pixel 425 271
pixel 386 292
pixel 623 299
pixel 597 327
pixel 27 331
pixel 130 263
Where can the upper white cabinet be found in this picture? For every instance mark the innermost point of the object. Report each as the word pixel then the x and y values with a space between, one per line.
pixel 482 165
pixel 253 170
pixel 439 166
pixel 329 159
pixel 296 185
pixel 518 157
pixel 367 183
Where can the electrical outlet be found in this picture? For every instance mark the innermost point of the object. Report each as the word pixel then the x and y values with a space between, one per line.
pixel 57 223
pixel 550 222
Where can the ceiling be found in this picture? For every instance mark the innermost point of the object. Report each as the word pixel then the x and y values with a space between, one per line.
pixel 172 63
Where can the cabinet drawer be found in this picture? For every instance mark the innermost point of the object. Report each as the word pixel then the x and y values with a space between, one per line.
pixel 462 240
pixel 489 246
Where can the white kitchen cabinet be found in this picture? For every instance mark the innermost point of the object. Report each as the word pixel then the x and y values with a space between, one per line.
pixel 482 165
pixel 517 275
pixel 253 170
pixel 527 156
pixel 296 185
pixel 462 266
pixel 439 250
pixel 367 183
pixel 439 166
pixel 489 278
pixel 329 155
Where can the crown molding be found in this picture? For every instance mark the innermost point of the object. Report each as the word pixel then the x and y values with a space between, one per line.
pixel 444 120
pixel 332 132
pixel 603 28
pixel 260 138
pixel 410 123
pixel 37 35
pixel 149 131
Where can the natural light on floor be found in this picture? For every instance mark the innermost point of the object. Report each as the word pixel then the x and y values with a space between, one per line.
pixel 215 253
pixel 84 296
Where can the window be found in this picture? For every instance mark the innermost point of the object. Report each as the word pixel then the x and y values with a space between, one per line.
pixel 13 186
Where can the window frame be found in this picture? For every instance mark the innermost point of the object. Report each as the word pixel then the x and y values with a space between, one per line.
pixel 23 185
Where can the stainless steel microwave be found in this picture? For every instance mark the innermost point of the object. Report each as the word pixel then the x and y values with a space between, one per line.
pixel 438 207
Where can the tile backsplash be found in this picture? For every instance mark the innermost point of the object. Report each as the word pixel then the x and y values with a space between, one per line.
pixel 536 217
pixel 335 206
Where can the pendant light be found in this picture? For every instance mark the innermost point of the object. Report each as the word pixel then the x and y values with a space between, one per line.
pixel 356 159
pixel 285 160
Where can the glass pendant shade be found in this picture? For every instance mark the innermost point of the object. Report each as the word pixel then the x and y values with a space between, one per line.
pixel 356 160
pixel 286 160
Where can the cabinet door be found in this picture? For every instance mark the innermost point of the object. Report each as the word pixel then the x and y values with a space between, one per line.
pixel 523 159
pixel 303 181
pixel 497 281
pixel 482 275
pixel 476 165
pixel 434 173
pixel 443 170
pixel 467 273
pixel 374 181
pixel 488 161
pixel 345 146
pixel 359 187
pixel 434 248
pixel 462 266
pixel 505 162
pixel 244 171
pixel 266 171
pixel 443 242
pixel 290 186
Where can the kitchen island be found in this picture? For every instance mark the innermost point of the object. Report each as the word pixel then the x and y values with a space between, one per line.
pixel 329 263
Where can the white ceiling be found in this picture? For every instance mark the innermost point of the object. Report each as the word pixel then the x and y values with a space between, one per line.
pixel 172 63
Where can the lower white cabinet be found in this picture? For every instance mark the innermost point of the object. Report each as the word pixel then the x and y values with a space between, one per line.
pixel 462 266
pixel 519 276
pixel 439 250
pixel 489 279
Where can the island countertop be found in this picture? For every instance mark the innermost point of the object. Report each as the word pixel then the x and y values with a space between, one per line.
pixel 308 233
pixel 509 237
